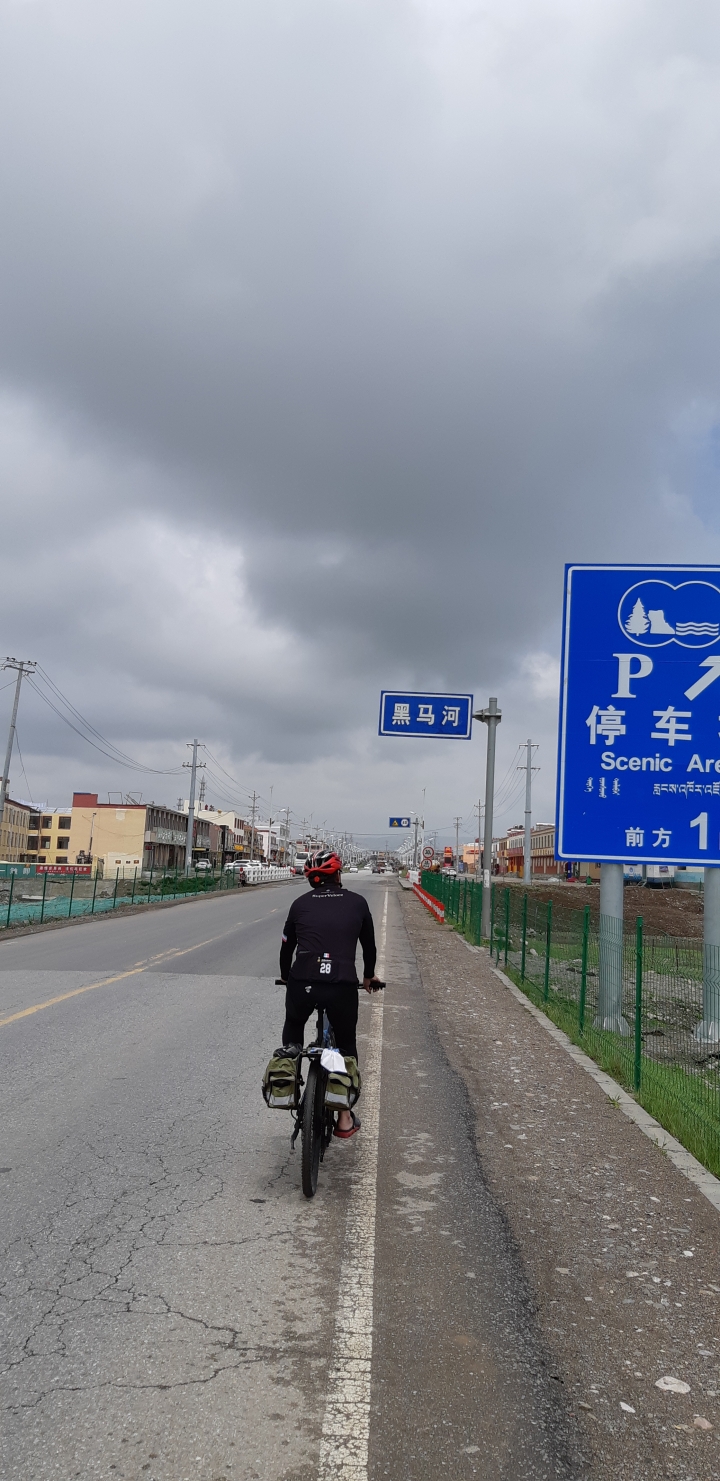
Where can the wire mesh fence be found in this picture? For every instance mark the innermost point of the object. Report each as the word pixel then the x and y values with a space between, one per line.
pixel 646 1008
pixel 27 901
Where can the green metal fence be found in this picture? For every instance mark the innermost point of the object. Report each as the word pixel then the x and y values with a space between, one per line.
pixel 663 1050
pixel 59 897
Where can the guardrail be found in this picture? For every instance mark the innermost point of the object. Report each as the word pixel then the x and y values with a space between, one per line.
pixel 62 897
pixel 661 1051
pixel 429 902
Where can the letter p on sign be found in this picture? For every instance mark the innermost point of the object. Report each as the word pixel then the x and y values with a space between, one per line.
pixel 626 673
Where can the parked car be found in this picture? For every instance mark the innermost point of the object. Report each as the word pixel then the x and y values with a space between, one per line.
pixel 203 866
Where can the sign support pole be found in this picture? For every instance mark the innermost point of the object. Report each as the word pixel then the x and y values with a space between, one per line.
pixel 610 1014
pixel 490 717
pixel 708 1032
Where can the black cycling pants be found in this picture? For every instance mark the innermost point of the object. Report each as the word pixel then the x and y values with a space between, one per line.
pixel 340 1001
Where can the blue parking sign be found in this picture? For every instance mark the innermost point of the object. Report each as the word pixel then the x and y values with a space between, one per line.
pixel 445 716
pixel 639 753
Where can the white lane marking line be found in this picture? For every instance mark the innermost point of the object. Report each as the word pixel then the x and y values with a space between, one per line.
pixel 346 1426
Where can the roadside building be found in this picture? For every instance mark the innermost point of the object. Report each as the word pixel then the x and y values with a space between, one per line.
pixel 511 856
pixel 242 838
pixel 48 838
pixel 166 837
pixel 14 831
pixel 510 853
pixel 134 836
pixel 229 836
pixel 469 856
pixel 267 842
pixel 543 851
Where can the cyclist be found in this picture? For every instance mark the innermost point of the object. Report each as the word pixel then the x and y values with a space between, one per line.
pixel 324 927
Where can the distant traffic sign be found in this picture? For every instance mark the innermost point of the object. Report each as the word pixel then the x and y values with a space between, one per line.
pixel 400 822
pixel 639 758
pixel 445 716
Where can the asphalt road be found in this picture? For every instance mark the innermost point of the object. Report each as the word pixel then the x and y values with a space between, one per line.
pixel 172 1307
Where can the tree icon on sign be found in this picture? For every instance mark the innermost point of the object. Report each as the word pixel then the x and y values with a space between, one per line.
pixel 637 622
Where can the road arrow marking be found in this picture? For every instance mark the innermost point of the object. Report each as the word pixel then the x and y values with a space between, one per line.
pixel 712 664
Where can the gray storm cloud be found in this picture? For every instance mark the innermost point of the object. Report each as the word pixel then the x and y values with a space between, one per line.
pixel 330 331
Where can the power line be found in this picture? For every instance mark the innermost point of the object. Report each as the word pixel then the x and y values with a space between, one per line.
pixel 230 778
pixel 22 764
pixel 113 753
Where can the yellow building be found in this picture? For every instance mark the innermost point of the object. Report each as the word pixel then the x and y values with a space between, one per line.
pixel 48 837
pixel 14 831
pixel 132 836
pixel 101 831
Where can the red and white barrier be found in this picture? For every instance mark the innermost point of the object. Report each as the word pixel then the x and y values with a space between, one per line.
pixel 430 902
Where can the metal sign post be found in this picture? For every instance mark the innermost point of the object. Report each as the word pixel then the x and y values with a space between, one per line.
pixel 639 754
pixel 490 717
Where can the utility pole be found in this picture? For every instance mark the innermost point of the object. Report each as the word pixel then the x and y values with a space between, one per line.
pixel 270 823
pixel 252 835
pixel 191 809
pixel 23 666
pixel 490 717
pixel 457 845
pixel 478 865
pixel 416 841
pixel 528 768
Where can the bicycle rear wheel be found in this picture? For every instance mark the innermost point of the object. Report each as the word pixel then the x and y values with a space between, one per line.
pixel 312 1127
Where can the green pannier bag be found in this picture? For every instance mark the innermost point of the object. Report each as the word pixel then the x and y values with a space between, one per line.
pixel 342 1091
pixel 282 1081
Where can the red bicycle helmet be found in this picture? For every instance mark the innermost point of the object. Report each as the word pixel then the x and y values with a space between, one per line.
pixel 322 864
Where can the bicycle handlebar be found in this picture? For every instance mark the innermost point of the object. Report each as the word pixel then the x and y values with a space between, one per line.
pixel 376 986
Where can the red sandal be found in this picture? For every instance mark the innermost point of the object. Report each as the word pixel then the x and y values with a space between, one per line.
pixel 345 1135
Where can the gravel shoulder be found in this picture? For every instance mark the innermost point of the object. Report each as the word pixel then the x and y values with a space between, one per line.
pixel 621 1252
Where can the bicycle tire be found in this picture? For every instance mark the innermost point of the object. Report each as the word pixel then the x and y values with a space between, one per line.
pixel 312 1128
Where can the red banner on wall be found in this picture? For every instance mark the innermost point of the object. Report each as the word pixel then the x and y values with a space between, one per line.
pixel 63 868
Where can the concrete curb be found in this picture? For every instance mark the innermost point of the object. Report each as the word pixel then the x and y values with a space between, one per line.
pixel 683 1160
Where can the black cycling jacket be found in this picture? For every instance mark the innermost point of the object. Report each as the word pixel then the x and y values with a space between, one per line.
pixel 325 925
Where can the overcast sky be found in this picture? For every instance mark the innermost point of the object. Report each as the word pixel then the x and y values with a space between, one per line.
pixel 331 329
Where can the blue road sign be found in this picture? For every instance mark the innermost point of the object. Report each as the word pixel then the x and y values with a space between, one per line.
pixel 639 755
pixel 448 716
pixel 400 822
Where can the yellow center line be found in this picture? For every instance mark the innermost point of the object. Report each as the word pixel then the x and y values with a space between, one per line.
pixel 120 976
